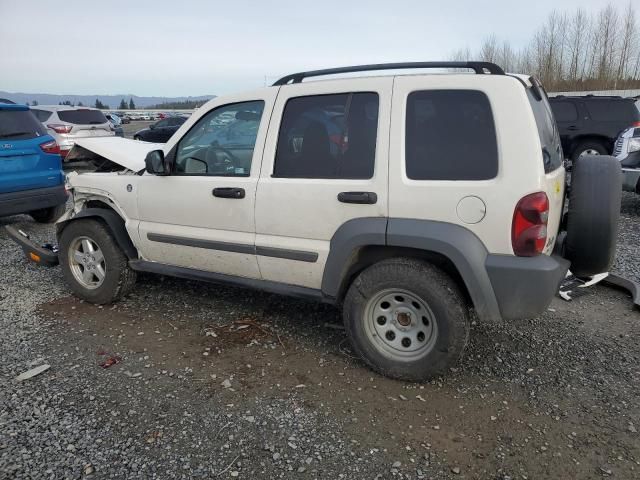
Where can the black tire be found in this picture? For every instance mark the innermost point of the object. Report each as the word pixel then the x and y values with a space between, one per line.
pixel 48 215
pixel 592 217
pixel 586 145
pixel 441 296
pixel 119 278
pixel 137 138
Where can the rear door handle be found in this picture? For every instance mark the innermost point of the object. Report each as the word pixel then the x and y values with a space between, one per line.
pixel 572 127
pixel 358 197
pixel 228 192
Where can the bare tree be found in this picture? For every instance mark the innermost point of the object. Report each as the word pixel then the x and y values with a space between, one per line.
pixel 574 52
pixel 489 49
pixel 627 43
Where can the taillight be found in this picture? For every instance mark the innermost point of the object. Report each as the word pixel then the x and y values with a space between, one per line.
pixel 50 147
pixel 529 228
pixel 56 127
pixel 635 124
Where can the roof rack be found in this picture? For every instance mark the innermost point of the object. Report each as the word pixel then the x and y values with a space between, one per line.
pixel 477 67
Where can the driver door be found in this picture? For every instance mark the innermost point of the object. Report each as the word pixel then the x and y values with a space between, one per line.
pixel 202 215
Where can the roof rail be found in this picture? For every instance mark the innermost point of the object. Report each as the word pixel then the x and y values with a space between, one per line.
pixel 477 67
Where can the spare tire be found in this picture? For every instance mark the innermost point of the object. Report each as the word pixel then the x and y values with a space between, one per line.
pixel 592 217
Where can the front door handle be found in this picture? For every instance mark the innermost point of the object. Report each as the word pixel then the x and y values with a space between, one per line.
pixel 572 127
pixel 358 197
pixel 228 192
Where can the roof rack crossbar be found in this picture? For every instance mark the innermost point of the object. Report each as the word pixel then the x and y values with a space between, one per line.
pixel 477 67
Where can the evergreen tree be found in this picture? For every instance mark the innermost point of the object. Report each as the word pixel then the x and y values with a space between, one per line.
pixel 123 105
pixel 132 106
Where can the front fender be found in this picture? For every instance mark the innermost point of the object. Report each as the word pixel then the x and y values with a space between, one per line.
pixel 110 218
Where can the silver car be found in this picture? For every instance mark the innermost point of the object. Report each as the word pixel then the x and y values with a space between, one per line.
pixel 66 124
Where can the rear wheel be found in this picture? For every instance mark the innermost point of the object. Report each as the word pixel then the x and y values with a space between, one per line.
pixel 588 147
pixel 48 215
pixel 406 319
pixel 92 263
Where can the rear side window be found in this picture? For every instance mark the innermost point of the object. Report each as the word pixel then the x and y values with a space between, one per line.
pixel 564 111
pixel 82 117
pixel 19 125
pixel 450 135
pixel 612 110
pixel 328 136
pixel 41 115
pixel 547 131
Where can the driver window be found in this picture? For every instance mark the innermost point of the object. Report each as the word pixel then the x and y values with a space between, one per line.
pixel 221 143
pixel 162 123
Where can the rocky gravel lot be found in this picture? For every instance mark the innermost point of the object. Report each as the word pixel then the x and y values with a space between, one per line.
pixel 214 382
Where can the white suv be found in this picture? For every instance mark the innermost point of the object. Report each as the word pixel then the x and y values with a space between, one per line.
pixel 66 124
pixel 407 200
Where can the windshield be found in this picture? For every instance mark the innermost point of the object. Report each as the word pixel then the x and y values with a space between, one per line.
pixel 19 125
pixel 82 117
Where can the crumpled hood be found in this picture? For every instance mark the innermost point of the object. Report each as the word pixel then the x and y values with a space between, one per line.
pixel 123 151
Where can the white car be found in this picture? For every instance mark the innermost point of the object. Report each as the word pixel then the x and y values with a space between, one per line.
pixel 406 200
pixel 67 124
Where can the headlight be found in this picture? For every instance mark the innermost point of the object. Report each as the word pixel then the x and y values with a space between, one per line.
pixel 633 145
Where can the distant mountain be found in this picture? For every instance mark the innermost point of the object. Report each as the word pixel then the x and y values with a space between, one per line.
pixel 89 100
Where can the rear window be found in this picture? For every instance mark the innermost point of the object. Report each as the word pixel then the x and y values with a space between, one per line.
pixel 19 125
pixel 564 111
pixel 82 117
pixel 547 131
pixel 450 135
pixel 606 110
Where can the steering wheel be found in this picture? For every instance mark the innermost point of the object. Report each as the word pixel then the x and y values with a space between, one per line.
pixel 214 160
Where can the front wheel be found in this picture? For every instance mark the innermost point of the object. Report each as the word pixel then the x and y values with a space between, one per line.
pixel 93 264
pixel 406 319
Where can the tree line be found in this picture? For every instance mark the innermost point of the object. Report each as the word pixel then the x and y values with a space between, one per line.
pixel 573 51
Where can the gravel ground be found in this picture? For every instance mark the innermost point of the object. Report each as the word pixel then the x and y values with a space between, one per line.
pixel 217 382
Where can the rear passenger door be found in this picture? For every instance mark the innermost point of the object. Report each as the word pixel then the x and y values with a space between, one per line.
pixel 444 161
pixel 325 163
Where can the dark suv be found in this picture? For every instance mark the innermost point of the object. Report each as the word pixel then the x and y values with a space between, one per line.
pixel 160 131
pixel 589 125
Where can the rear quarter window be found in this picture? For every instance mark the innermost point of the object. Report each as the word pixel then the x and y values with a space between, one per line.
pixel 42 115
pixel 552 155
pixel 82 117
pixel 19 125
pixel 612 110
pixel 450 135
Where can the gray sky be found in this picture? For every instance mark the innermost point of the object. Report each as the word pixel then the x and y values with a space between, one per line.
pixel 195 47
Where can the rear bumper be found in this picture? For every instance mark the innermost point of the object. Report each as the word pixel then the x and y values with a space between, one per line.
pixel 28 200
pixel 524 286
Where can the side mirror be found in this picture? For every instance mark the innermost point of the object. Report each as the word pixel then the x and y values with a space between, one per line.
pixel 152 126
pixel 155 163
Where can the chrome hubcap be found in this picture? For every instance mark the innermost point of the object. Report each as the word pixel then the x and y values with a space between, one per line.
pixel 87 262
pixel 589 151
pixel 400 325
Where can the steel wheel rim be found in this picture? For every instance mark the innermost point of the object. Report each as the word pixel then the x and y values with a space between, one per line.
pixel 400 325
pixel 87 262
pixel 589 151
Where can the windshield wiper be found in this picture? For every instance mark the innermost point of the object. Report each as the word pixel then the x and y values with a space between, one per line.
pixel 14 134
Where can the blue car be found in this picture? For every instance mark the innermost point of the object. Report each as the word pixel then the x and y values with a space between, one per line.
pixel 31 176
